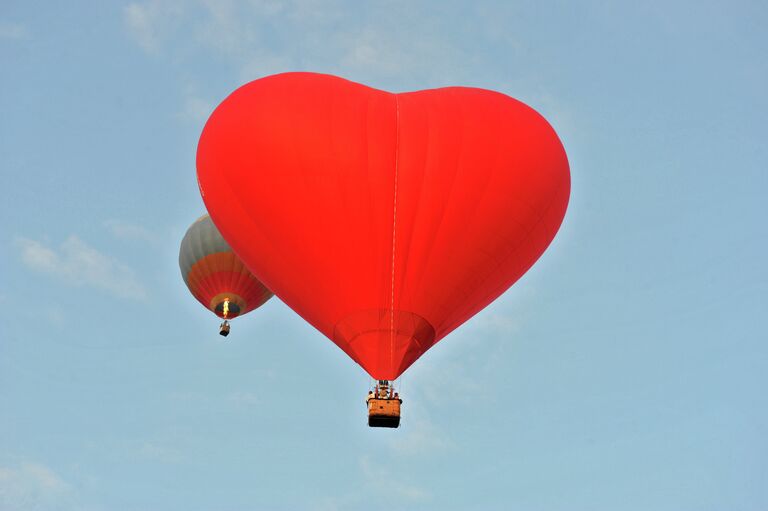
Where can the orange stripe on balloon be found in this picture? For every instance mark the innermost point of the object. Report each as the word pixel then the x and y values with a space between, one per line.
pixel 248 293
pixel 220 261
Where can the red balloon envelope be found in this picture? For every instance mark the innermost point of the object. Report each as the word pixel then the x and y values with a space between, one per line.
pixel 385 220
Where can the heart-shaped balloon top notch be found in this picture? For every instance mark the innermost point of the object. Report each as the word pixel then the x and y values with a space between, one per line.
pixel 385 220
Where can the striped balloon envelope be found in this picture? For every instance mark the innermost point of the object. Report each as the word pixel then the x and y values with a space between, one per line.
pixel 214 274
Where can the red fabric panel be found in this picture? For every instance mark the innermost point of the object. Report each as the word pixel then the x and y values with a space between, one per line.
pixel 385 220
pixel 247 291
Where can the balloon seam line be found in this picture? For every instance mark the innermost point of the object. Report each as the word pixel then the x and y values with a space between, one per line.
pixel 394 230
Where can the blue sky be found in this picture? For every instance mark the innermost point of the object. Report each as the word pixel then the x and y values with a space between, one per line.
pixel 625 371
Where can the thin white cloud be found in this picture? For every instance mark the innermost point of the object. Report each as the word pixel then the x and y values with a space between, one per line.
pixel 157 452
pixel 56 316
pixel 238 398
pixel 380 481
pixel 195 108
pixel 130 232
pixel 32 486
pixel 378 484
pixel 390 41
pixel 13 30
pixel 507 324
pixel 149 23
pixel 262 63
pixel 447 383
pixel 243 399
pixel 399 43
pixel 140 22
pixel 420 437
pixel 80 264
pixel 455 377
pixel 187 397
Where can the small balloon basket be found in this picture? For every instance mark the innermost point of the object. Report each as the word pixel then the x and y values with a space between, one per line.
pixel 383 407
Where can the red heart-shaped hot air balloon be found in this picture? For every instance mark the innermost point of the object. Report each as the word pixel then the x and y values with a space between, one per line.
pixel 385 220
